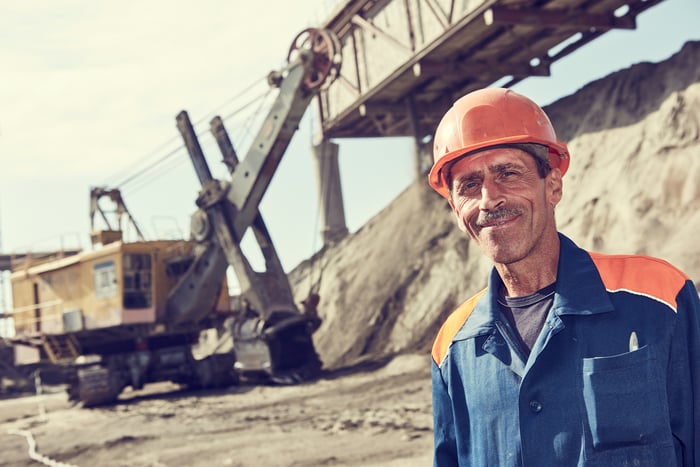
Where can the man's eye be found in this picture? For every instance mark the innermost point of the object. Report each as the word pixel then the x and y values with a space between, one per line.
pixel 468 187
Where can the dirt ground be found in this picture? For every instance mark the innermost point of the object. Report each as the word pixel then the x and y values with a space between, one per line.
pixel 371 415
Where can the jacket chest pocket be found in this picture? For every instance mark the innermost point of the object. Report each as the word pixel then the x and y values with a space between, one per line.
pixel 624 398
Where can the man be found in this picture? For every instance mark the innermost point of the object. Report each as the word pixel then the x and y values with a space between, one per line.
pixel 567 358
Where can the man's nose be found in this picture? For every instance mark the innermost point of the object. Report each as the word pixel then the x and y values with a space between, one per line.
pixel 491 195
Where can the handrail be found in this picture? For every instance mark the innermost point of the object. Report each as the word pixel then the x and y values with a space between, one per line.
pixel 35 306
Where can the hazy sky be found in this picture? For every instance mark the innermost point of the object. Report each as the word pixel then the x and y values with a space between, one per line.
pixel 89 89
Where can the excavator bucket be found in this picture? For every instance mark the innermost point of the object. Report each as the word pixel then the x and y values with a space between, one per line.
pixel 280 348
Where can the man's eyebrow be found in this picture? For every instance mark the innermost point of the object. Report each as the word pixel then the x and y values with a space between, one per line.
pixel 494 168
pixel 504 166
pixel 476 174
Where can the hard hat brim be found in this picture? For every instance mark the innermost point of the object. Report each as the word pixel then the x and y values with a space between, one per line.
pixel 558 158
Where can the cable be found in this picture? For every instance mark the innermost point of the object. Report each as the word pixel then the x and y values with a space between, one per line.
pixel 228 101
pixel 132 167
pixel 244 129
pixel 201 134
pixel 149 167
pixel 164 169
pixel 33 454
pixel 175 138
pixel 142 171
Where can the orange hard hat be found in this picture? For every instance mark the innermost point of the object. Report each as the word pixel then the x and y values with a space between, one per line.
pixel 492 117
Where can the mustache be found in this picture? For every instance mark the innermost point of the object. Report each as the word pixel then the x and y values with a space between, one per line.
pixel 492 216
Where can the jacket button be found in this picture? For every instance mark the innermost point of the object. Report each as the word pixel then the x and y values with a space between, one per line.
pixel 536 406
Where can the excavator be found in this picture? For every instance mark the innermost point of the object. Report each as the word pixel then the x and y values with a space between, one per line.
pixel 138 312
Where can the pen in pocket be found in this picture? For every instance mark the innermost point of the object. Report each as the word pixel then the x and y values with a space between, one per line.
pixel 634 343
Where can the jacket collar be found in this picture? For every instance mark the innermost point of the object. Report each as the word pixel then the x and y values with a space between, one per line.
pixel 579 291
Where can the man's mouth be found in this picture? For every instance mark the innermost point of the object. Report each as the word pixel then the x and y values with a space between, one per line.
pixel 495 223
pixel 497 218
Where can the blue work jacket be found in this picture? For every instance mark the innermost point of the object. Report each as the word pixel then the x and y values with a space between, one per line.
pixel 612 380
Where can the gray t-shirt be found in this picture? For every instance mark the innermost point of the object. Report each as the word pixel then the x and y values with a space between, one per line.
pixel 527 314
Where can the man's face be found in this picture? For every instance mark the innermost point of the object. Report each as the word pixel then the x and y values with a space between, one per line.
pixel 504 205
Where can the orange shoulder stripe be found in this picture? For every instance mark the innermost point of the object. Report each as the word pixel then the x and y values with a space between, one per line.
pixel 641 275
pixel 451 327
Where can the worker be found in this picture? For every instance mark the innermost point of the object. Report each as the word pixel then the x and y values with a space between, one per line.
pixel 566 358
pixel 310 313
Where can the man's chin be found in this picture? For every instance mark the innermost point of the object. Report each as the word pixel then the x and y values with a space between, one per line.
pixel 500 252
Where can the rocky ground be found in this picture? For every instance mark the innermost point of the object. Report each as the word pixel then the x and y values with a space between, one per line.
pixel 375 414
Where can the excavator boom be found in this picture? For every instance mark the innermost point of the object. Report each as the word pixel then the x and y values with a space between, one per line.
pixel 270 335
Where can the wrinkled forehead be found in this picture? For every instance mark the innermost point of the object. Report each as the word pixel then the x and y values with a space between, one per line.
pixel 490 159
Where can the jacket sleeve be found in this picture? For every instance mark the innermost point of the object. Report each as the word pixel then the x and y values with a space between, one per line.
pixel 684 378
pixel 445 448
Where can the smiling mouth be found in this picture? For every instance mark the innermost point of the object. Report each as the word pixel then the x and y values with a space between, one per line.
pixel 496 223
pixel 497 218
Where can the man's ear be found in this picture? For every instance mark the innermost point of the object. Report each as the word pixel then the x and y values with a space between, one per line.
pixel 554 186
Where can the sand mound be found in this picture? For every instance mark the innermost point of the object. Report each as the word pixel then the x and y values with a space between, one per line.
pixel 633 187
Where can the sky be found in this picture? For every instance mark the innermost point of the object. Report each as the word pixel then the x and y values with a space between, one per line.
pixel 89 92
